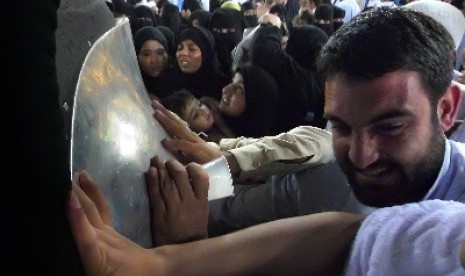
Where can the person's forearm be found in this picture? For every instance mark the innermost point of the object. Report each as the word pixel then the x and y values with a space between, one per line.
pixel 315 244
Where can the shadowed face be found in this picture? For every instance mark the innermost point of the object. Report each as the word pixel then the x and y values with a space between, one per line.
pixel 386 138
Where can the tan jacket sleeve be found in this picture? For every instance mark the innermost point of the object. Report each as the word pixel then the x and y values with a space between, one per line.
pixel 295 150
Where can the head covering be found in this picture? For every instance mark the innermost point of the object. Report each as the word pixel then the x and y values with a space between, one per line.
pixel 192 5
pixel 338 17
pixel 262 99
pixel 324 12
pixel 304 45
pixel 145 12
pixel 171 18
pixel 171 42
pixel 148 33
pixel 202 37
pixel 446 14
pixel 231 4
pixel 230 20
pixel 201 16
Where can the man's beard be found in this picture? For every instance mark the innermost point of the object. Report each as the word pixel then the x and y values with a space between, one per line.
pixel 412 182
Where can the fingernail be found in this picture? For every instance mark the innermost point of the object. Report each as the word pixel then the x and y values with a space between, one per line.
pixel 74 201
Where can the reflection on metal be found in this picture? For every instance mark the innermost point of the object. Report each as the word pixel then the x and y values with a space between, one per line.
pixel 114 134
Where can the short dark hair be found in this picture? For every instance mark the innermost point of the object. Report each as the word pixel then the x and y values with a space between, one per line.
pixel 384 40
pixel 177 102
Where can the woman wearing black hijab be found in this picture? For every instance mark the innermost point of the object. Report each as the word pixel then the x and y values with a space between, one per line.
pixel 159 70
pixel 301 88
pixel 324 15
pixel 249 107
pixel 171 18
pixel 199 64
pixel 226 27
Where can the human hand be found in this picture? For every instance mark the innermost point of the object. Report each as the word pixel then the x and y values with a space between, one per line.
pixel 186 145
pixel 179 201
pixel 103 251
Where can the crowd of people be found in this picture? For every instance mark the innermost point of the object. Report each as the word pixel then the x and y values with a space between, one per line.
pixel 346 141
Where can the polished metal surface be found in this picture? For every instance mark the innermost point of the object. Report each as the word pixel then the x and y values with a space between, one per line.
pixel 114 134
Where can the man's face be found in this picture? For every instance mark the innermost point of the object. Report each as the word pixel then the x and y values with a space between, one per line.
pixel 385 137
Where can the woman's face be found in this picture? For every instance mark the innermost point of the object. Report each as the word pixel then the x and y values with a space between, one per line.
pixel 189 56
pixel 152 58
pixel 233 101
pixel 198 116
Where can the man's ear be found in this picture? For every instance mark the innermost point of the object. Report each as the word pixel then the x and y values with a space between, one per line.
pixel 448 106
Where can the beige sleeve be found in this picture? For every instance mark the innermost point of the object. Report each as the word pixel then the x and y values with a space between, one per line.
pixel 297 149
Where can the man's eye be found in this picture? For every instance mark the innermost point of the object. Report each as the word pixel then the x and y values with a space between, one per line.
pixel 340 129
pixel 389 129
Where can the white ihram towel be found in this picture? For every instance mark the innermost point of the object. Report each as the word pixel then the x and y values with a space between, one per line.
pixel 414 239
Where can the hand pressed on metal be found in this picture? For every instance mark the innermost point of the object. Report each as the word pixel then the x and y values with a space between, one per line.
pixel 186 145
pixel 179 201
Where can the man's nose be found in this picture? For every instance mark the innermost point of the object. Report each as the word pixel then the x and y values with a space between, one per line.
pixel 363 150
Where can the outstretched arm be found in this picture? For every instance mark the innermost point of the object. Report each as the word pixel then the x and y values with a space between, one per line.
pixel 313 244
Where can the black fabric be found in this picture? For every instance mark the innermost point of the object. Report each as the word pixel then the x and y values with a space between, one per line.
pixel 169 81
pixel 171 18
pixel 324 12
pixel 225 18
pixel 36 238
pixel 171 41
pixel 201 16
pixel 304 45
pixel 146 12
pixel 338 17
pixel 262 100
pixel 301 90
pixel 148 33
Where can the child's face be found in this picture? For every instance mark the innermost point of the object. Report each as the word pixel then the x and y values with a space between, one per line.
pixel 198 116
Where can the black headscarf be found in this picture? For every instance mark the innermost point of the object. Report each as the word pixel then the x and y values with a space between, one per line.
pixel 249 20
pixel 201 16
pixel 262 101
pixel 338 17
pixel 172 43
pixel 209 79
pixel 304 45
pixel 169 80
pixel 229 19
pixel 148 33
pixel 324 12
pixel 171 18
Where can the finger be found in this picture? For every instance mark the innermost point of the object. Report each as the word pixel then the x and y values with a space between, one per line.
pixel 181 179
pixel 84 234
pixel 168 189
pixel 174 128
pixel 89 186
pixel 185 147
pixel 89 207
pixel 157 205
pixel 200 180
